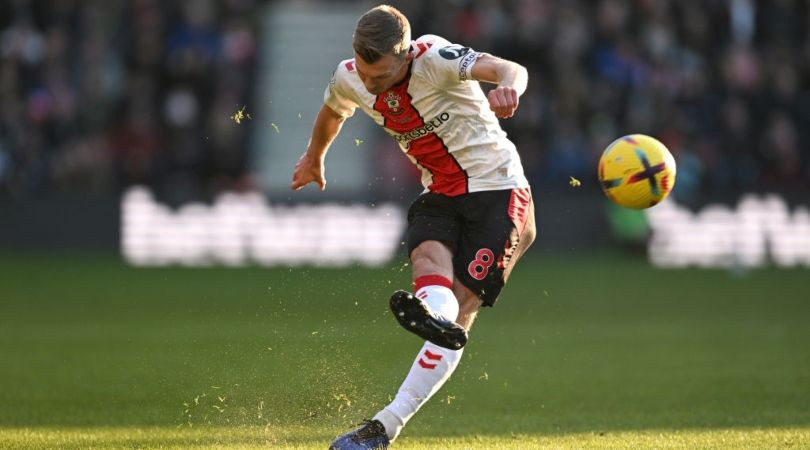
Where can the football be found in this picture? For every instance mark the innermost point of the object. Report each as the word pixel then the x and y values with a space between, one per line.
pixel 637 171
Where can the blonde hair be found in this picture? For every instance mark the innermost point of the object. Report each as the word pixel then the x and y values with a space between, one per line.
pixel 381 31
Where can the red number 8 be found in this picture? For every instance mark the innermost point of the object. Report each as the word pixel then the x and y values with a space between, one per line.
pixel 479 267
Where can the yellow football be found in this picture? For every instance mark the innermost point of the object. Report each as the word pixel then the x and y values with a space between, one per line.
pixel 637 171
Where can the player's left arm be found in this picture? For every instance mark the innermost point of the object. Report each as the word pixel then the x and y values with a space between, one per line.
pixel 511 79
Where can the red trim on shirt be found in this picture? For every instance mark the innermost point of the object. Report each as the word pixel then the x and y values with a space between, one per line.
pixel 423 47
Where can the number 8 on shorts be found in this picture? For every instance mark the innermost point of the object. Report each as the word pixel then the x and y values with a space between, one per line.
pixel 479 267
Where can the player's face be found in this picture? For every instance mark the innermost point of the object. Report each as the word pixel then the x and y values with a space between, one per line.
pixel 380 76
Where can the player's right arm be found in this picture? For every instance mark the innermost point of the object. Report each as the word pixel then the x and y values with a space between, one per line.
pixel 310 167
pixel 338 105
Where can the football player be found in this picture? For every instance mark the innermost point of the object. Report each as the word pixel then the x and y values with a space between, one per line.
pixel 475 218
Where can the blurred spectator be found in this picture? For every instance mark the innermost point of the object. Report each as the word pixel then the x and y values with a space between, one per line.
pixel 95 96
pixel 724 83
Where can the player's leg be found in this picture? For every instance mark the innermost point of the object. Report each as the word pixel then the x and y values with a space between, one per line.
pixel 525 232
pixel 431 368
pixel 469 304
pixel 430 312
pixel 432 277
pixel 512 232
pixel 433 258
pixel 498 229
pixel 432 232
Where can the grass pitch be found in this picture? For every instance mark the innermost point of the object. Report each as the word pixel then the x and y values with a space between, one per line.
pixel 579 353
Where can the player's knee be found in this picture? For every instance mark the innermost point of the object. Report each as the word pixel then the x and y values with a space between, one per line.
pixel 430 250
pixel 432 257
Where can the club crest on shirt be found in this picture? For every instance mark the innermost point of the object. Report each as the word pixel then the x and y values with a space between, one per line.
pixel 392 100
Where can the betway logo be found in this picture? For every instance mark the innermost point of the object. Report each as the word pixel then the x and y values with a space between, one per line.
pixel 759 230
pixel 243 229
pixel 424 130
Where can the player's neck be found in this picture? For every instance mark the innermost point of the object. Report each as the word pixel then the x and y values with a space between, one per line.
pixel 405 73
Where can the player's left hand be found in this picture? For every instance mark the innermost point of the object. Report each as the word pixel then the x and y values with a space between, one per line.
pixel 503 101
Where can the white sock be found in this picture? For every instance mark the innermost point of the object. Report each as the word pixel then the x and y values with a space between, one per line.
pixel 440 298
pixel 431 368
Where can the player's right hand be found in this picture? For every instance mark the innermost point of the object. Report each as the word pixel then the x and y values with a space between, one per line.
pixel 308 170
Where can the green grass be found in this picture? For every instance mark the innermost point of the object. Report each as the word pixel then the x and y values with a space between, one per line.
pixel 591 352
pixel 308 438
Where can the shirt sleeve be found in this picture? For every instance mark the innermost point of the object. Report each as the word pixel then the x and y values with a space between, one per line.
pixel 449 63
pixel 336 95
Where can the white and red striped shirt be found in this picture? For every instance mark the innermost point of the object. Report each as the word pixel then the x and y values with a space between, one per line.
pixel 440 117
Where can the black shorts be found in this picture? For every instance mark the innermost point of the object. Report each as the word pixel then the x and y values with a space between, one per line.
pixel 487 232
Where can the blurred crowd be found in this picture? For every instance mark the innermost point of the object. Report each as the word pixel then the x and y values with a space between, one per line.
pixel 98 95
pixel 725 84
